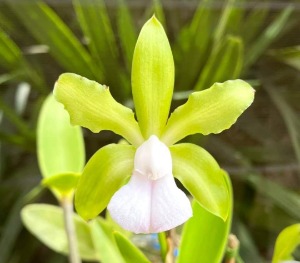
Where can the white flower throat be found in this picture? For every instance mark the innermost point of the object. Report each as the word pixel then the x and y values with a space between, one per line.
pixel 150 202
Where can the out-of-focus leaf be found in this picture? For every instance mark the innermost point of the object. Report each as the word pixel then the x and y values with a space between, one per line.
pixel 60 145
pixel 95 23
pixel 103 175
pixel 191 47
pixel 229 21
pixel 286 243
pixel 252 24
pixel 106 248
pixel 267 37
pixel 152 78
pixel 10 54
pixel 129 251
pixel 159 12
pixel 91 105
pixel 127 32
pixel 204 236
pixel 46 223
pixel 201 175
pixel 289 116
pixel 289 55
pixel 280 195
pixel 43 23
pixel 225 62
pixel 209 111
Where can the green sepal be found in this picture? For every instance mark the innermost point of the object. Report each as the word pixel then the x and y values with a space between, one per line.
pixel 46 223
pixel 60 146
pixel 205 236
pixel 152 78
pixel 103 175
pixel 91 105
pixel 201 175
pixel 286 243
pixel 209 111
pixel 62 184
pixel 128 250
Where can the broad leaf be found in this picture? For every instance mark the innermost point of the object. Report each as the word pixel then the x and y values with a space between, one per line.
pixel 204 236
pixel 201 175
pixel 105 245
pixel 209 111
pixel 286 243
pixel 46 223
pixel 129 251
pixel 225 62
pixel 103 175
pixel 60 146
pixel 152 78
pixel 91 105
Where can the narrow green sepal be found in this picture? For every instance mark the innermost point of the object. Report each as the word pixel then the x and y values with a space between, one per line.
pixel 209 111
pixel 91 105
pixel 103 175
pixel 201 175
pixel 152 78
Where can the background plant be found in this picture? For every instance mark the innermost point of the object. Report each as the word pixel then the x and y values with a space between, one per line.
pixel 261 153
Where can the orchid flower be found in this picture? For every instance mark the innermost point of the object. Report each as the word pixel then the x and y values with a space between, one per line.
pixel 149 200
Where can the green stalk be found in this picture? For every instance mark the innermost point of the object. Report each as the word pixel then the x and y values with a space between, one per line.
pixel 67 206
pixel 162 238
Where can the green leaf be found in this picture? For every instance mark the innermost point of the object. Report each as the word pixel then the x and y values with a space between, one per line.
pixel 201 175
pixel 126 31
pixel 129 251
pixel 192 48
pixel 267 37
pixel 91 105
pixel 204 237
pixel 44 24
pixel 46 223
pixel 286 243
pixel 94 21
pixel 209 111
pixel 225 62
pixel 289 55
pixel 283 197
pixel 103 175
pixel 152 78
pixel 63 184
pixel 107 250
pixel 10 54
pixel 60 146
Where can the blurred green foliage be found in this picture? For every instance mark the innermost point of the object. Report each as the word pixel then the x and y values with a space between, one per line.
pixel 211 41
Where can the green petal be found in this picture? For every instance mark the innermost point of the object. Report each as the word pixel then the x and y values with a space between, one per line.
pixel 91 105
pixel 286 243
pixel 209 111
pixel 201 175
pixel 60 146
pixel 103 175
pixel 152 78
pixel 46 223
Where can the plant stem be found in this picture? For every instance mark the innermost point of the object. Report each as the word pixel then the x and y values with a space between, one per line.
pixel 67 206
pixel 162 238
pixel 171 245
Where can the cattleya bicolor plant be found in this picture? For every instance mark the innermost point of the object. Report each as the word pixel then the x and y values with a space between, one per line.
pixel 149 200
